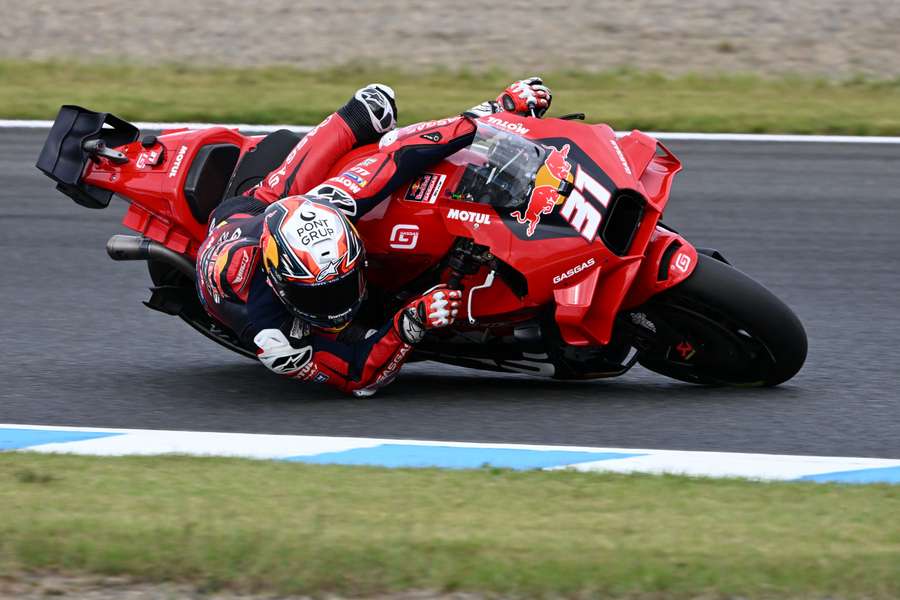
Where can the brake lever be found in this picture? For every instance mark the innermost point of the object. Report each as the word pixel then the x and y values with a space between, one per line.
pixel 488 282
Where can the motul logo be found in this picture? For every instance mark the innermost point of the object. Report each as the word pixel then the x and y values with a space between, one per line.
pixel 178 158
pixel 468 216
pixel 513 127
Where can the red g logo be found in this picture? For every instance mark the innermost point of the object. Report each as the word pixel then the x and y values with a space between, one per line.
pixel 404 237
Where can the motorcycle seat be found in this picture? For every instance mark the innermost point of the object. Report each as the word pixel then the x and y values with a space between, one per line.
pixel 261 160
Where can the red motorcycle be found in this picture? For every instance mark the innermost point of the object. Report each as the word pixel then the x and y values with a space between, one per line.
pixel 551 226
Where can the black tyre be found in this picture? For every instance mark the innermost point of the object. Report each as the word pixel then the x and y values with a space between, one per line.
pixel 721 327
pixel 175 294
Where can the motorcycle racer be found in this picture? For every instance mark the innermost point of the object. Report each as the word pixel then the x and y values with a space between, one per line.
pixel 283 267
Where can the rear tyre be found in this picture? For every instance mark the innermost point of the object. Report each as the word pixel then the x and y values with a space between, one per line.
pixel 175 294
pixel 721 327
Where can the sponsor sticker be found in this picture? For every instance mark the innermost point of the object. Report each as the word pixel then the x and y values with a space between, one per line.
pixel 178 159
pixel 575 270
pixel 545 196
pixel 347 183
pixel 469 216
pixel 682 262
pixel 508 126
pixel 148 159
pixel 404 237
pixel 355 177
pixel 426 188
pixel 621 156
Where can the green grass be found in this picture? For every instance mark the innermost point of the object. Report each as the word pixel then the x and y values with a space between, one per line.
pixel 625 99
pixel 291 528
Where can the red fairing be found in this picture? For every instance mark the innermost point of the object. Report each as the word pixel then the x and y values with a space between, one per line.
pixel 668 253
pixel 553 240
pixel 576 272
pixel 153 182
pixel 153 179
pixel 654 165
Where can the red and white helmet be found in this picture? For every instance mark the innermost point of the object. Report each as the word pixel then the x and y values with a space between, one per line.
pixel 314 260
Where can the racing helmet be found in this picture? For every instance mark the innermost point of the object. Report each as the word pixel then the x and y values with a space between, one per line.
pixel 314 260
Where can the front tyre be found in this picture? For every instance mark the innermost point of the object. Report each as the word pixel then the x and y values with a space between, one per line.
pixel 721 327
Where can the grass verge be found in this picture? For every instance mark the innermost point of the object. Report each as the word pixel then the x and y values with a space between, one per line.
pixel 291 528
pixel 625 99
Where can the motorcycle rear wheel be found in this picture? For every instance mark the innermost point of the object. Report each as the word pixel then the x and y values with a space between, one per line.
pixel 720 327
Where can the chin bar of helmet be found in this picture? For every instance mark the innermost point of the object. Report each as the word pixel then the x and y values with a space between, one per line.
pixel 133 247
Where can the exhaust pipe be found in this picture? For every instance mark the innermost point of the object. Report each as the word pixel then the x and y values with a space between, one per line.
pixel 133 247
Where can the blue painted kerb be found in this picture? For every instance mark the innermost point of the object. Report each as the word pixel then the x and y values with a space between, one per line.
pixel 876 475
pixel 457 457
pixel 18 439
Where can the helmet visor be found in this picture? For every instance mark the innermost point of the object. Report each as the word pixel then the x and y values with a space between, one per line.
pixel 328 304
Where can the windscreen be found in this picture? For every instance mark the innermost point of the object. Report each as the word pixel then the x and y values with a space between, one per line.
pixel 500 167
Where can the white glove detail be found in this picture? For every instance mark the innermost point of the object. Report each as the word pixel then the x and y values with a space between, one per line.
pixel 525 95
pixel 435 308
pixel 276 352
pixel 438 314
pixel 379 101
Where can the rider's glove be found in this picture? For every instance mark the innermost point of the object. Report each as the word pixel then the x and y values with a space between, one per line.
pixel 521 96
pixel 381 105
pixel 371 112
pixel 437 307
pixel 282 355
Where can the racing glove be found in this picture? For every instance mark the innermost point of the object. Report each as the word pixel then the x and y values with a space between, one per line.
pixel 520 97
pixel 282 355
pixel 436 308
pixel 381 105
pixel 371 112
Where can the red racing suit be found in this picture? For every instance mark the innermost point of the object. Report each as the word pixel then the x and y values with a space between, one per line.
pixel 232 285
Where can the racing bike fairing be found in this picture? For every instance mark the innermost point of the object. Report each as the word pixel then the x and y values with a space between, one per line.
pixel 551 227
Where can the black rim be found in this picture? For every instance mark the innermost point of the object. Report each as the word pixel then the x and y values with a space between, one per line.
pixel 699 344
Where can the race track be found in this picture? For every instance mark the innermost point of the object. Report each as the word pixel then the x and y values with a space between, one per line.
pixel 817 223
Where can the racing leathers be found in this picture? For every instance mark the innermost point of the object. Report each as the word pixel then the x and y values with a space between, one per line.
pixel 233 287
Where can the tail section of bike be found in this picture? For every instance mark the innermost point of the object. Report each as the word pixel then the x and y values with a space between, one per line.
pixel 172 180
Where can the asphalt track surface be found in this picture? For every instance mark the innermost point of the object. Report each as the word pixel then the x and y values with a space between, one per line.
pixel 817 223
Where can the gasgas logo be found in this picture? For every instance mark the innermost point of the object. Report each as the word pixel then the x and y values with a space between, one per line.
pixel 575 270
pixel 177 164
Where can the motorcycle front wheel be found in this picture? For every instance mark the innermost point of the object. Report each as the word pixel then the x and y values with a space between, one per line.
pixel 720 327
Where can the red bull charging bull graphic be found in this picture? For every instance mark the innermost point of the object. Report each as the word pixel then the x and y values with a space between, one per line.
pixel 547 182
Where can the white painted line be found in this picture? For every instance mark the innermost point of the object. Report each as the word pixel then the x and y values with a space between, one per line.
pixel 198 443
pixel 662 135
pixel 734 464
pixel 385 452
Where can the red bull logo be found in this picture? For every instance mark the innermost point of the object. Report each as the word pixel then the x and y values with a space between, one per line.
pixel 545 196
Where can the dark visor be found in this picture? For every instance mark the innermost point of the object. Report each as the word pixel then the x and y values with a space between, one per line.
pixel 330 299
